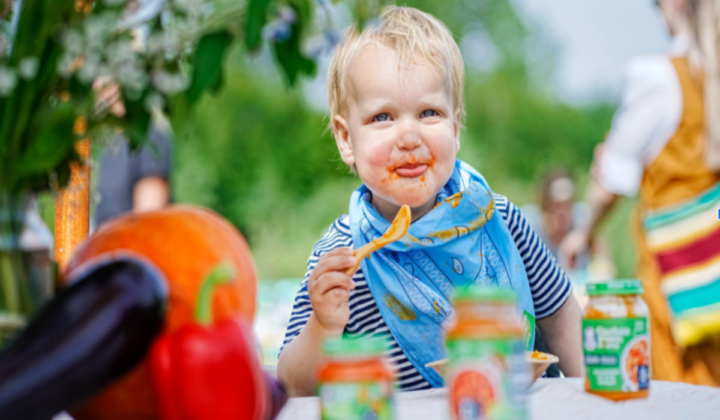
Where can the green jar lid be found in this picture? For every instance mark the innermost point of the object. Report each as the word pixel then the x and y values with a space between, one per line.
pixel 615 287
pixel 483 294
pixel 354 347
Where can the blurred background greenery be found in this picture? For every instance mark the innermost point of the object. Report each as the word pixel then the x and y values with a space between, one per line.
pixel 259 154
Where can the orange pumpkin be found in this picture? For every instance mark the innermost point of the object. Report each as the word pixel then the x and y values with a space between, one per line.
pixel 185 243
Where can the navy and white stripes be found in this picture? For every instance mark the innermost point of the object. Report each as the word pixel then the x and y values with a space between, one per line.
pixel 549 286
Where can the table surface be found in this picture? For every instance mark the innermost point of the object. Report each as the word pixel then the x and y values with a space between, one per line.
pixel 557 399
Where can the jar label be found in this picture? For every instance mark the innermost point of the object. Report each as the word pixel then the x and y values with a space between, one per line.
pixel 356 401
pixel 487 379
pixel 528 322
pixel 617 354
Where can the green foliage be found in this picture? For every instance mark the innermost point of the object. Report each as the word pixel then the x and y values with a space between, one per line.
pixel 208 61
pixel 288 52
pixel 251 138
pixel 47 149
pixel 19 112
pixel 256 19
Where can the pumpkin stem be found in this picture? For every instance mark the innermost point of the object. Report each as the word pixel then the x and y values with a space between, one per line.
pixel 222 273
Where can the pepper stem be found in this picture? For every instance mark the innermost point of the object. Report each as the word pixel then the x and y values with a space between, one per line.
pixel 222 273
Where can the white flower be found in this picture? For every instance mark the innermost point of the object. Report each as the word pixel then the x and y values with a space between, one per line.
pixel 98 29
pixel 94 28
pixel 73 42
pixel 192 7
pixel 120 52
pixel 8 80
pixel 28 67
pixel 153 101
pixel 64 65
pixel 170 83
pixel 163 43
pixel 90 69
pixel 132 77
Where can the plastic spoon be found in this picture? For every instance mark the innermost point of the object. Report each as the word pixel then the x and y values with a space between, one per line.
pixel 397 230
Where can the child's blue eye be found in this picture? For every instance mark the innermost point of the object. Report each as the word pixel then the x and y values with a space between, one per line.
pixel 382 117
pixel 429 113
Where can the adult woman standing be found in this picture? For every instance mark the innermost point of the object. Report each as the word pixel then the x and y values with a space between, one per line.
pixel 665 146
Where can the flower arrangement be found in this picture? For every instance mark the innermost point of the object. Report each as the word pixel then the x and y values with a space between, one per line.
pixel 161 54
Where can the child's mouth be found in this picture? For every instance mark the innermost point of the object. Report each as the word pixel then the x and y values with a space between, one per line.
pixel 411 170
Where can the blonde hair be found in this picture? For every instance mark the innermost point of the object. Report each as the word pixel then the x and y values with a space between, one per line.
pixel 414 35
pixel 704 21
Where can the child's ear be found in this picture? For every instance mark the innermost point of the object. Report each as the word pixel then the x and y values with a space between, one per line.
pixel 342 138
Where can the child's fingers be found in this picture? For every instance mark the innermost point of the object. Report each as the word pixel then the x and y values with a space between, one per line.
pixel 332 280
pixel 342 251
pixel 335 262
pixel 339 295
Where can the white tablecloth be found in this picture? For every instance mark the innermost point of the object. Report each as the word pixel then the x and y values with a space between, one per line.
pixel 556 399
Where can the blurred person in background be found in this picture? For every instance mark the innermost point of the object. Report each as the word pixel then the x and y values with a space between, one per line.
pixel 665 147
pixel 128 180
pixel 555 215
pixel 131 180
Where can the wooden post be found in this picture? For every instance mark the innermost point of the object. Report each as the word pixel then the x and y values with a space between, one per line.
pixel 72 207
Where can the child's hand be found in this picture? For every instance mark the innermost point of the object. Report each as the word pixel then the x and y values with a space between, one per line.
pixel 329 288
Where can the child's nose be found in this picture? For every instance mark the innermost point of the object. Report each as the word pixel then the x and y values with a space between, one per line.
pixel 409 138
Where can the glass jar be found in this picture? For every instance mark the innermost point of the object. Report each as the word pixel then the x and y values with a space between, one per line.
pixel 487 374
pixel 356 382
pixel 27 273
pixel 616 341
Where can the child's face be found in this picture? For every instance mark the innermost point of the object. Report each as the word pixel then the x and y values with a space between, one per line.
pixel 401 131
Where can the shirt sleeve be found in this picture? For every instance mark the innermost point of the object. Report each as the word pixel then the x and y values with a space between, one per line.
pixel 154 159
pixel 549 285
pixel 647 118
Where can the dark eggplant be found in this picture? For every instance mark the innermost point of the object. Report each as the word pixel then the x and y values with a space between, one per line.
pixel 90 335
pixel 278 397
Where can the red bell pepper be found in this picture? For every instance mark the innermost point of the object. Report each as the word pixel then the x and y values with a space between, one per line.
pixel 209 370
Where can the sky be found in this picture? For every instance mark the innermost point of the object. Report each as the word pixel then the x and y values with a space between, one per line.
pixel 594 38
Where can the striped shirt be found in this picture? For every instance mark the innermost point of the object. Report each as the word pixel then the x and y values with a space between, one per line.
pixel 549 286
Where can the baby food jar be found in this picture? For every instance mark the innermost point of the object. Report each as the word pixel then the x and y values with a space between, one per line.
pixel 487 374
pixel 616 341
pixel 355 383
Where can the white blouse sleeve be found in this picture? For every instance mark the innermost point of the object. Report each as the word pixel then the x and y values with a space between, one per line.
pixel 648 117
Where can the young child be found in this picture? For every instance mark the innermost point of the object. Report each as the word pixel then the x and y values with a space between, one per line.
pixel 395 108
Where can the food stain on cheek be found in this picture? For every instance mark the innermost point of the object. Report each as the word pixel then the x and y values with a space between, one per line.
pixel 402 311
